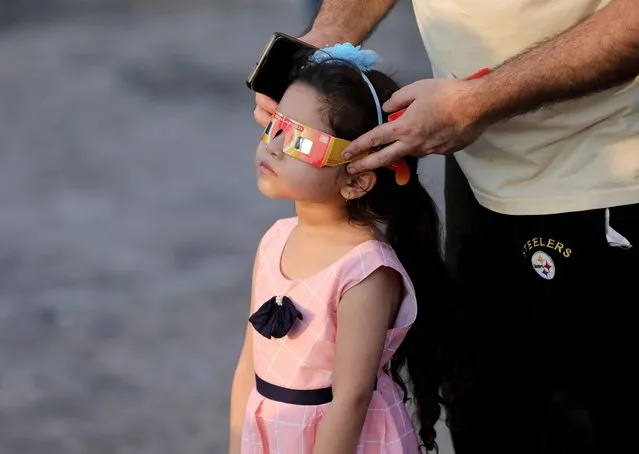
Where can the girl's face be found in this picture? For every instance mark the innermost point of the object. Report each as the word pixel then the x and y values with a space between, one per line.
pixel 280 176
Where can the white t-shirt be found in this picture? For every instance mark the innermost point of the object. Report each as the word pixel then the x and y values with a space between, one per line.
pixel 576 155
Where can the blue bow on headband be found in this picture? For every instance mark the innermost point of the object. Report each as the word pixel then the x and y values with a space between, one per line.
pixel 364 59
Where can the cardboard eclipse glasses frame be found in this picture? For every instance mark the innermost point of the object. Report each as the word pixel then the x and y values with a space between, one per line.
pixel 316 147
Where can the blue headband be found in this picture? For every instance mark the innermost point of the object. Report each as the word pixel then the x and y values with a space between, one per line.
pixel 364 60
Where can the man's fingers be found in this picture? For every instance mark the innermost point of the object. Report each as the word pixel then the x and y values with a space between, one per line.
pixel 380 158
pixel 266 103
pixel 381 135
pixel 400 99
pixel 261 116
pixel 264 108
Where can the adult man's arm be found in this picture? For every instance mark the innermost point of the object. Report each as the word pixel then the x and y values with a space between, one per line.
pixel 444 116
pixel 347 20
pixel 600 53
pixel 337 21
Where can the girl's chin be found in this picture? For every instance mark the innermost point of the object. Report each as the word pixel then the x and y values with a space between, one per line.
pixel 268 191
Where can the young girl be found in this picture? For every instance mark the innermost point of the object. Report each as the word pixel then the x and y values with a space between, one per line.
pixel 344 293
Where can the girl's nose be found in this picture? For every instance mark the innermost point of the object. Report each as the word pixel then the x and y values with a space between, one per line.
pixel 275 151
pixel 275 147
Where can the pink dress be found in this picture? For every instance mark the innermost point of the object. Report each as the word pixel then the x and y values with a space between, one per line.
pixel 303 359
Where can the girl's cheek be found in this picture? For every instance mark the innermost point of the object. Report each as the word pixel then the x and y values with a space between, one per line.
pixel 308 181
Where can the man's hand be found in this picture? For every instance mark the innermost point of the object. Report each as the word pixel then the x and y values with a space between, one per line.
pixel 443 116
pixel 265 106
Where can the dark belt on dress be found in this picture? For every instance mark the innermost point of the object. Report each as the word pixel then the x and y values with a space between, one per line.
pixel 295 396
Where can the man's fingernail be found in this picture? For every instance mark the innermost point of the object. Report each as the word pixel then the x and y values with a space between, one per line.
pixel 351 170
pixel 347 156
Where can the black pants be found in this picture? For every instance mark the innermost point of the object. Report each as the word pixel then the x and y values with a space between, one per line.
pixel 547 325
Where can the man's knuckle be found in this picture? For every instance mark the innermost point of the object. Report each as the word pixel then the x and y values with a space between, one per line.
pixel 398 129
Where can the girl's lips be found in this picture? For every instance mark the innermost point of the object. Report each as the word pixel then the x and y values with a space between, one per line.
pixel 267 169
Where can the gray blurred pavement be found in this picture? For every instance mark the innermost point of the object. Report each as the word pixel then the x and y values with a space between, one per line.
pixel 129 218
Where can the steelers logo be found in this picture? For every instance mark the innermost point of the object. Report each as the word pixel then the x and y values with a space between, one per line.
pixel 543 265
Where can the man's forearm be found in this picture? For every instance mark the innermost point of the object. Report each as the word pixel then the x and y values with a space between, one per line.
pixel 600 53
pixel 349 20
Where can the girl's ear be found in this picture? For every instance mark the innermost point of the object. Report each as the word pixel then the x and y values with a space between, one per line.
pixel 356 186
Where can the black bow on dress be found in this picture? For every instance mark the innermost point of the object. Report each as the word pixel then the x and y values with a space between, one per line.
pixel 276 317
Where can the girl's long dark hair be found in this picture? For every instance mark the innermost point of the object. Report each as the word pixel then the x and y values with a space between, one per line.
pixel 412 228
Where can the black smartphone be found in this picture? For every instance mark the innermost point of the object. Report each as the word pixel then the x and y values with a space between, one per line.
pixel 272 72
